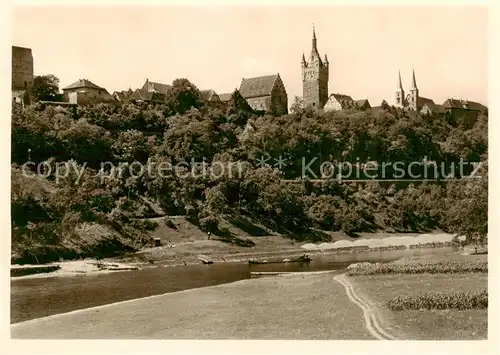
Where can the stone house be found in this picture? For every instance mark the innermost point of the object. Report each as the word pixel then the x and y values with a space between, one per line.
pixel 464 109
pixel 339 102
pixel 22 75
pixel 265 93
pixel 84 92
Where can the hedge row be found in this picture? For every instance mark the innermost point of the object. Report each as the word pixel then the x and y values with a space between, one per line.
pixel 460 300
pixel 445 267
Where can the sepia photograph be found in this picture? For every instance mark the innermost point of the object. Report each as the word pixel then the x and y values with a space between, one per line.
pixel 249 172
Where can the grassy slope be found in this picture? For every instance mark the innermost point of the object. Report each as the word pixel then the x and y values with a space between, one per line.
pixel 188 238
pixel 426 324
pixel 290 307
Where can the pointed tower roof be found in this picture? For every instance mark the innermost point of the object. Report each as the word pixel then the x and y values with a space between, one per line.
pixel 400 82
pixel 326 58
pixel 314 50
pixel 413 81
pixel 303 58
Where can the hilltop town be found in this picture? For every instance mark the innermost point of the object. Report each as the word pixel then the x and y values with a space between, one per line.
pixel 265 93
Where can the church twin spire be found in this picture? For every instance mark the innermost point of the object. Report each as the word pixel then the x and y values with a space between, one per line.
pixel 412 99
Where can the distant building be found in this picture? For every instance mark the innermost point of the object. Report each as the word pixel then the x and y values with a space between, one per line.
pixel 22 75
pixel 338 102
pixel 265 93
pixel 429 108
pixel 210 95
pixel 468 110
pixel 225 97
pixel 363 104
pixel 413 101
pixel 123 95
pixel 315 78
pixel 151 92
pixel 84 92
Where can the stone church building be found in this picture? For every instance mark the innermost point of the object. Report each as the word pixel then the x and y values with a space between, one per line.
pixel 265 93
pixel 413 101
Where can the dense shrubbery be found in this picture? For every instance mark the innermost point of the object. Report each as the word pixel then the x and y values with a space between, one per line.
pixel 445 267
pixel 185 128
pixel 459 300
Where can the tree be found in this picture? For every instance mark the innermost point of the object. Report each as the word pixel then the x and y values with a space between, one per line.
pixel 183 96
pixel 385 105
pixel 46 88
pixel 238 103
pixel 297 105
pixel 469 213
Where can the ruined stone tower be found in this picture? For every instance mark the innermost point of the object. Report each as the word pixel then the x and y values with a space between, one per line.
pixel 314 78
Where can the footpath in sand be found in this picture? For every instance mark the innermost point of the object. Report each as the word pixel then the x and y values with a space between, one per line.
pixel 310 306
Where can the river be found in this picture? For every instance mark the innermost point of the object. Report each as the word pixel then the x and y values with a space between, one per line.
pixel 43 296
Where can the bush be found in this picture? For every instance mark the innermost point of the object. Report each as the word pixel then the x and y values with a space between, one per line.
pixel 169 223
pixel 445 267
pixel 460 300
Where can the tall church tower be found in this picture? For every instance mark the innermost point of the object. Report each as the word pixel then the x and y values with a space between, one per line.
pixel 314 78
pixel 413 97
pixel 400 93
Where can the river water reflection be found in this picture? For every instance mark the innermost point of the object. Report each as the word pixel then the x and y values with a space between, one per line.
pixel 38 297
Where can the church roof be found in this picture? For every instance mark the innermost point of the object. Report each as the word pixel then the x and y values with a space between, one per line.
pixel 424 100
pixel 413 81
pixel 258 86
pixel 83 83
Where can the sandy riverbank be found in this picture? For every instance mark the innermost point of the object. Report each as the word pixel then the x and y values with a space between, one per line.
pixel 74 268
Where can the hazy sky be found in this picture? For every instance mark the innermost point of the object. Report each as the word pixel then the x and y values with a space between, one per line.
pixel 215 47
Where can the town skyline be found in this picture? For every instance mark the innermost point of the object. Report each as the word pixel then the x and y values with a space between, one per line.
pixel 137 44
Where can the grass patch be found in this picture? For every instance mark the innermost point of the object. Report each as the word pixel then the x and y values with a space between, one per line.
pixel 427 324
pixel 469 324
pixel 443 267
pixel 461 301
